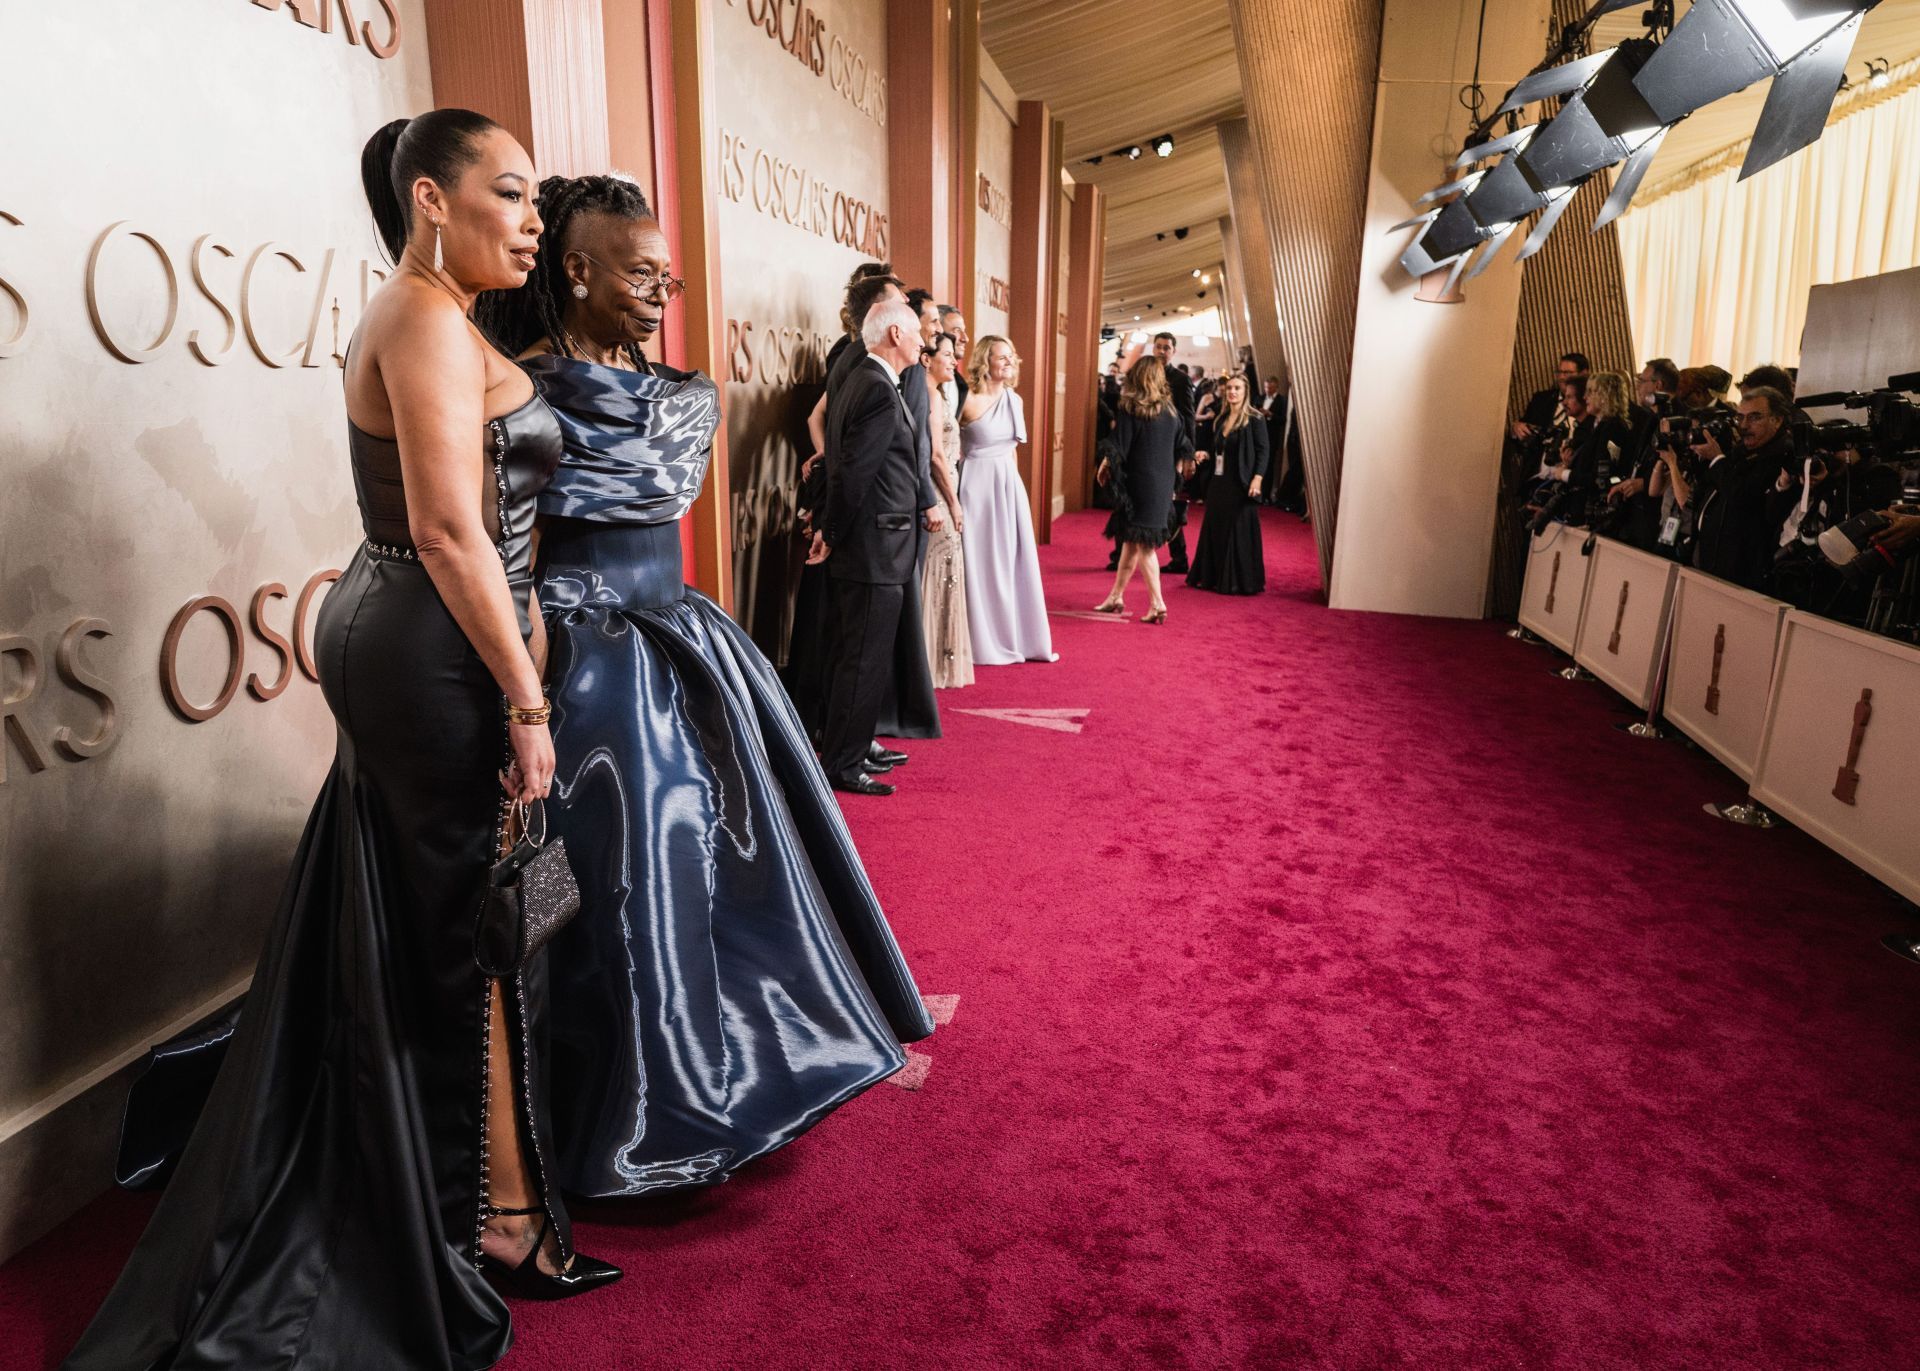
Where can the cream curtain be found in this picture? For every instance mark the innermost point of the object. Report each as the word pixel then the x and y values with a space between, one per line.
pixel 1718 270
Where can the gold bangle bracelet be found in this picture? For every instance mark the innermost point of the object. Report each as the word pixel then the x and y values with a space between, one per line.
pixel 538 714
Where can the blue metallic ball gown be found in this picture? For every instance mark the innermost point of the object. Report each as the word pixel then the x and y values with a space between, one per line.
pixel 730 979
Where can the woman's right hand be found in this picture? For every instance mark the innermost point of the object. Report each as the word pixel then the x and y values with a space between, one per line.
pixel 530 775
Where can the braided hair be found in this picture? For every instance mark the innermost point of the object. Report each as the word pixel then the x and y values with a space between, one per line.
pixel 517 319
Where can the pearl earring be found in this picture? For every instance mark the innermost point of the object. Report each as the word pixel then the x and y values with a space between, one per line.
pixel 579 292
pixel 439 262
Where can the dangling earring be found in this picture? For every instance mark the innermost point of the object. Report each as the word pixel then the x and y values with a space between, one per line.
pixel 439 262
pixel 579 292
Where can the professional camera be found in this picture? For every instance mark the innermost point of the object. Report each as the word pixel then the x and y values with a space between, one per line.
pixel 1892 428
pixel 1835 435
pixel 1850 545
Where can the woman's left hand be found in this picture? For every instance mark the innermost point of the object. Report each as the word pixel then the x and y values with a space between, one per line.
pixel 1253 491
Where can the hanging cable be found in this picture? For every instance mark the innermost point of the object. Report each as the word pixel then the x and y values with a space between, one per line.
pixel 1474 97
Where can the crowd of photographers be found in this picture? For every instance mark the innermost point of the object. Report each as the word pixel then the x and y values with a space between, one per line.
pixel 1823 515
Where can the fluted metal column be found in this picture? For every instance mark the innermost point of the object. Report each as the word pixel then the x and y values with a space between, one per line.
pixel 1255 281
pixel 1309 69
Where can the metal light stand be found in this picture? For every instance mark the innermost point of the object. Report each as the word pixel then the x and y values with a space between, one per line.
pixel 1748 813
pixel 1902 946
pixel 1573 671
pixel 1521 635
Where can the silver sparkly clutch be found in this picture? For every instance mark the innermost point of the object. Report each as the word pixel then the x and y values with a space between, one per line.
pixel 530 896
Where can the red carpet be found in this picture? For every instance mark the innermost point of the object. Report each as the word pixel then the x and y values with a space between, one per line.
pixel 1345 993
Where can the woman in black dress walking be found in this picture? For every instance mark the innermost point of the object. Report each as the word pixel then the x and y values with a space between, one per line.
pixel 378 1140
pixel 1228 556
pixel 1149 451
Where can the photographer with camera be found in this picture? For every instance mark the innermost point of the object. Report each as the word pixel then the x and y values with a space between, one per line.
pixel 1826 487
pixel 1544 412
pixel 1726 484
pixel 1633 511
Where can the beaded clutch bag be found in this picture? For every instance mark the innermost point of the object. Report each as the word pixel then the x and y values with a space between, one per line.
pixel 530 896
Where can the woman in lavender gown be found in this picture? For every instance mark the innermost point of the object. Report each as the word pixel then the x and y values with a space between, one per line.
pixel 1006 606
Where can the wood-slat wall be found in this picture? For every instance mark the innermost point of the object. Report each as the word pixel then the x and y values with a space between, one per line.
pixel 1309 70
pixel 1573 298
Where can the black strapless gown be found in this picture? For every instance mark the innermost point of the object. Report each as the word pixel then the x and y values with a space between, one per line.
pixel 730 979
pixel 326 1215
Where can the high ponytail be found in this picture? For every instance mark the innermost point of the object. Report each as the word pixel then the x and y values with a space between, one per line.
pixel 439 144
pixel 376 178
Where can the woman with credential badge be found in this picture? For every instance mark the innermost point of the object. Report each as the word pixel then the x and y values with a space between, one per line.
pixel 730 978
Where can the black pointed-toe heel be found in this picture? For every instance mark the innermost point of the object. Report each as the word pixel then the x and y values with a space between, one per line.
pixel 528 1282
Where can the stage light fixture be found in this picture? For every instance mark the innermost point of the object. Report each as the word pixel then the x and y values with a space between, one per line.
pixel 1195 273
pixel 1801 99
pixel 1206 279
pixel 1181 234
pixel 1600 125
pixel 1163 145
pixel 1131 152
pixel 1723 46
pixel 1616 106
pixel 1096 159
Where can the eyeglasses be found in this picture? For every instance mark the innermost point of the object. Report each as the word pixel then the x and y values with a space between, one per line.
pixel 646 283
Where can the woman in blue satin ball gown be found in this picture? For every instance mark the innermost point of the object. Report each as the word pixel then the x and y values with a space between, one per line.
pixel 730 979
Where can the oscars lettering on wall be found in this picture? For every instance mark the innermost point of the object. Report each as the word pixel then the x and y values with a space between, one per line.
pixel 999 293
pixel 775 354
pixel 236 289
pixel 20 735
pixel 798 28
pixel 788 193
pixel 995 203
pixel 319 14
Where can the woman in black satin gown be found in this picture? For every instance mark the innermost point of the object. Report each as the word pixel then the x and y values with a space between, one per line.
pixel 730 979
pixel 382 1100
pixel 1228 557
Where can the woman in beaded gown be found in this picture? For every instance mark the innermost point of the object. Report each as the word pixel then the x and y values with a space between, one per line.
pixel 730 978
pixel 378 1143
pixel 943 577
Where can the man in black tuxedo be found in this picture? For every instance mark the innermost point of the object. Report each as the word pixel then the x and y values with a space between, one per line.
pixel 953 322
pixel 869 537
pixel 1180 385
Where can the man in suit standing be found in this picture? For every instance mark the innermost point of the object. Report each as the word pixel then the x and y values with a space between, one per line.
pixel 952 321
pixel 868 535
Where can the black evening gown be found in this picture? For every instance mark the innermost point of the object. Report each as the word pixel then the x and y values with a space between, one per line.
pixel 1144 456
pixel 1228 557
pixel 730 979
pixel 326 1215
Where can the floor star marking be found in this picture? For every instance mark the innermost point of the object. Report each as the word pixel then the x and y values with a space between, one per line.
pixel 919 1065
pixel 1054 720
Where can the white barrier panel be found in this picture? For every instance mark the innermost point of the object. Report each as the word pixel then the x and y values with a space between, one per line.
pixel 1556 586
pixel 1841 751
pixel 1629 593
pixel 1720 666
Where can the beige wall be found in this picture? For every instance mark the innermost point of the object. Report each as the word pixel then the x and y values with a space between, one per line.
pixel 993 224
pixel 803 200
pixel 138 881
pixel 1428 394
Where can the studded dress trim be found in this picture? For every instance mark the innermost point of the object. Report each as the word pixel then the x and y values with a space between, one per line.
pixel 524 1092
